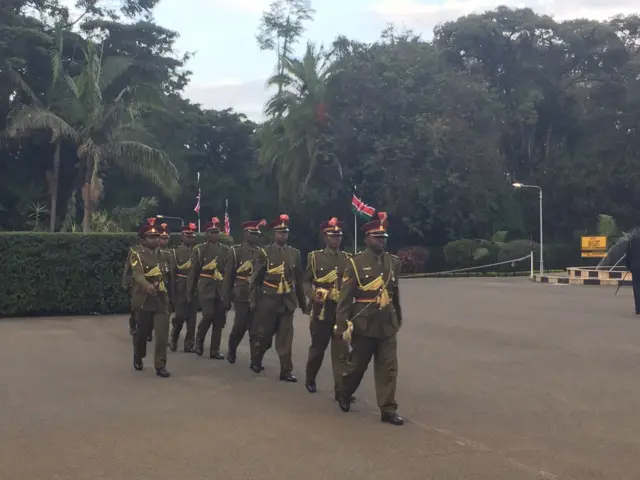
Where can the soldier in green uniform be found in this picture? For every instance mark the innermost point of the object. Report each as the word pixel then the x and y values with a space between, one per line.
pixel 275 290
pixel 238 269
pixel 127 280
pixel 150 299
pixel 369 316
pixel 208 265
pixel 322 281
pixel 185 311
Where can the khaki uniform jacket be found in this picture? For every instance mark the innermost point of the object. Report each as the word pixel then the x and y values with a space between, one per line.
pixel 207 270
pixel 149 267
pixel 238 270
pixel 277 268
pixel 179 269
pixel 370 296
pixel 325 270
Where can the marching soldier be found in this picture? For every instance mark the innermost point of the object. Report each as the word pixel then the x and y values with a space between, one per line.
pixel 275 290
pixel 369 316
pixel 127 280
pixel 208 264
pixel 238 269
pixel 322 281
pixel 185 311
pixel 150 299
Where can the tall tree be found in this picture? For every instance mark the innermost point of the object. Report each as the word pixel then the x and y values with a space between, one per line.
pixel 103 130
pixel 292 140
pixel 281 27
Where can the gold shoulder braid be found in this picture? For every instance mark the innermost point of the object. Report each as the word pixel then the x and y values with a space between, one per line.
pixel 211 268
pixel 246 267
pixel 382 299
pixel 332 277
pixel 283 286
pixel 156 272
pixel 185 266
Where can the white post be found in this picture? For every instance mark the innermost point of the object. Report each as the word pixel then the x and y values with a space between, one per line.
pixel 541 242
pixel 531 261
pixel 355 233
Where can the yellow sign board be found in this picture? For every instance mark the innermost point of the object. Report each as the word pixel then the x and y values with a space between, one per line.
pixel 594 243
pixel 594 254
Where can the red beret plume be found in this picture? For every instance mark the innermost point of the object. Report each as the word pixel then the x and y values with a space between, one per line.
pixel 164 225
pixel 215 220
pixel 284 217
pixel 151 221
pixel 192 226
pixel 382 216
pixel 262 223
pixel 333 222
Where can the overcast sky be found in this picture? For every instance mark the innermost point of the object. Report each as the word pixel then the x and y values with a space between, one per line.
pixel 229 70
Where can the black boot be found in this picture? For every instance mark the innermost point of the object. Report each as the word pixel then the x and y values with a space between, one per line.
pixel 189 349
pixel 392 418
pixel 311 386
pixel 231 355
pixel 173 341
pixel 137 363
pixel 351 400
pixel 344 402
pixel 288 377
pixel 199 349
pixel 216 356
pixel 162 373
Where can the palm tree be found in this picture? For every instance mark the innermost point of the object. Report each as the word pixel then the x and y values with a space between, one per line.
pixel 104 131
pixel 291 140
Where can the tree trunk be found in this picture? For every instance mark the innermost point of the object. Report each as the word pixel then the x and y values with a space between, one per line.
pixel 86 197
pixel 55 180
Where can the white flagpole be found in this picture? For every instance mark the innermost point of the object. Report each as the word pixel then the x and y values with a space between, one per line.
pixel 355 228
pixel 199 201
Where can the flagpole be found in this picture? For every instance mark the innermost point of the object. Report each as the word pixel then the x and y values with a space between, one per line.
pixel 355 229
pixel 199 202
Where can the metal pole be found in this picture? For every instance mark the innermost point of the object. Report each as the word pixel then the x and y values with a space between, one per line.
pixel 541 240
pixel 355 233
pixel 531 261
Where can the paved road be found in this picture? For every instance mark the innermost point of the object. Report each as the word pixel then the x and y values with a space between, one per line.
pixel 501 380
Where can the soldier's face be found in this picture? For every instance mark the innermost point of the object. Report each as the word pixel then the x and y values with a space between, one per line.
pixel 333 241
pixel 376 243
pixel 280 237
pixel 151 241
pixel 252 238
pixel 188 240
pixel 213 236
pixel 163 242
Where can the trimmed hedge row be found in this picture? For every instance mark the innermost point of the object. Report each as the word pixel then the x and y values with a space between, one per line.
pixel 72 273
pixel 64 273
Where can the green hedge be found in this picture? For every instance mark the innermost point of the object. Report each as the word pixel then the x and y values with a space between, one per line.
pixel 65 273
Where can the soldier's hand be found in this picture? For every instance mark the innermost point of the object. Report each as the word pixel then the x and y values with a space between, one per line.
pixel 252 306
pixel 151 290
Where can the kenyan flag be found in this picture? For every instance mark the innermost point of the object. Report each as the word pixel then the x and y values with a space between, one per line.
pixel 362 209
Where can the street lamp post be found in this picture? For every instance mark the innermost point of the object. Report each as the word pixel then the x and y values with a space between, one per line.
pixel 520 185
pixel 172 218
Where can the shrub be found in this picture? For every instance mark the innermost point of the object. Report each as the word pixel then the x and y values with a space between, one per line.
pixel 414 259
pixel 64 273
pixel 460 253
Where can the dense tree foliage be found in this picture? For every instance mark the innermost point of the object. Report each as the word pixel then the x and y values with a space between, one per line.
pixel 94 121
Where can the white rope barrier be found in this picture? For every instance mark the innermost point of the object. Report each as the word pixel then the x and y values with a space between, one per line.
pixel 459 270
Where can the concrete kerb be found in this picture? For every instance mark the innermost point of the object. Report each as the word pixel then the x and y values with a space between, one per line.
pixel 587 276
